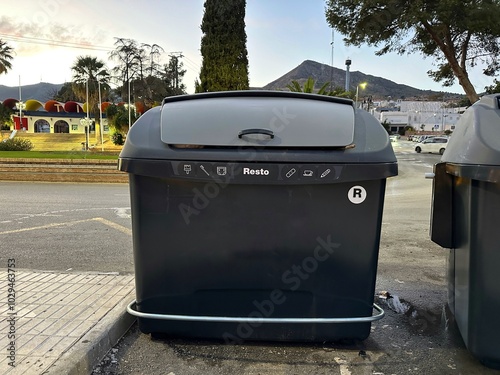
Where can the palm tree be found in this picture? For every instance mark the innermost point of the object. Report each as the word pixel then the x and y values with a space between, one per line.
pixel 5 57
pixel 88 70
pixel 309 85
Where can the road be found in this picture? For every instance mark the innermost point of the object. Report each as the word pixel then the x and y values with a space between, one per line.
pixel 417 336
pixel 64 226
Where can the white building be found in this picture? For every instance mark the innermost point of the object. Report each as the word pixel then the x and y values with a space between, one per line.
pixel 420 115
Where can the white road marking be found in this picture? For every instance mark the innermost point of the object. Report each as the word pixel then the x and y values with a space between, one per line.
pixel 123 213
pixel 109 223
pixel 59 212
pixel 113 225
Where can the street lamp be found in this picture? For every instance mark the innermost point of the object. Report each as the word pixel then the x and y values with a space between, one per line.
pixel 363 86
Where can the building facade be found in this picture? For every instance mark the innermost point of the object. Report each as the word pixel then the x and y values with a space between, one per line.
pixel 421 116
pixel 54 117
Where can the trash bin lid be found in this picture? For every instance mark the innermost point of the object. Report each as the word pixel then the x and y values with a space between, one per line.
pixel 476 139
pixel 257 118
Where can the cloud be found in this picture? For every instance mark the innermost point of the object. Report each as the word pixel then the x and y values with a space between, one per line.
pixel 29 37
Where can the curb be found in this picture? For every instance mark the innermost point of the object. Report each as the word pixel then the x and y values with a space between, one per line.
pixel 61 170
pixel 82 357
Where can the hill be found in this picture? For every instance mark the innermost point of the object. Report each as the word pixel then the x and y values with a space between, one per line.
pixel 42 91
pixel 379 88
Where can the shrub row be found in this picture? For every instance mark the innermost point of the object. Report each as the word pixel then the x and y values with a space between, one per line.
pixel 16 144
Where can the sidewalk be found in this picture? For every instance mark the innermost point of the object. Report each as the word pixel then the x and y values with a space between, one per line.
pixel 64 322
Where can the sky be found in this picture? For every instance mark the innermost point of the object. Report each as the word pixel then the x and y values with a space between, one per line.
pixel 48 36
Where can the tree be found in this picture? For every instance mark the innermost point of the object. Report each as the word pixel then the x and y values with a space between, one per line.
pixel 154 52
pixel 88 70
pixel 5 57
pixel 117 116
pixel 139 69
pixel 130 62
pixel 65 93
pixel 309 87
pixel 387 126
pixel 493 89
pixel 458 34
pixel 173 74
pixel 223 47
pixel 5 117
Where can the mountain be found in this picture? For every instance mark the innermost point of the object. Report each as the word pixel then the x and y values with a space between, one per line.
pixel 378 88
pixel 42 91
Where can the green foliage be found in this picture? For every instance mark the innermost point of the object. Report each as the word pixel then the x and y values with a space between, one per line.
pixel 448 132
pixel 6 55
pixel 5 117
pixel 90 73
pixel 117 139
pixel 16 144
pixel 150 81
pixel 172 77
pixel 118 118
pixel 387 126
pixel 309 87
pixel 223 47
pixel 66 93
pixel 493 89
pixel 456 34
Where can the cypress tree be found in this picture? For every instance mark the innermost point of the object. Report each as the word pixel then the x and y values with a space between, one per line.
pixel 223 47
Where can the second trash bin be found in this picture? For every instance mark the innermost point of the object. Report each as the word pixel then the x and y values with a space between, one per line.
pixel 465 217
pixel 257 215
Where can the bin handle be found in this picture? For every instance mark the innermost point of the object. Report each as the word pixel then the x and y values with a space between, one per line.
pixel 131 309
pixel 267 132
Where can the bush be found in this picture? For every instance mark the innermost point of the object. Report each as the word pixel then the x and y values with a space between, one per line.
pixel 16 144
pixel 5 127
pixel 117 139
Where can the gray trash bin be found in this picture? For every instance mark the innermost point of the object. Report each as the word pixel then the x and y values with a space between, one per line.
pixel 257 215
pixel 465 218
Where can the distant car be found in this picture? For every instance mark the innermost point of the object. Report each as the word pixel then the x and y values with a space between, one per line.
pixel 394 137
pixel 433 144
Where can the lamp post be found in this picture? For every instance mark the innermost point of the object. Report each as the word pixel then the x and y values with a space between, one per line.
pixel 20 107
pixel 100 113
pixel 87 119
pixel 443 124
pixel 129 114
pixel 363 86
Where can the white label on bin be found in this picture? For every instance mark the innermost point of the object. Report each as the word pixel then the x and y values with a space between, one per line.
pixel 357 194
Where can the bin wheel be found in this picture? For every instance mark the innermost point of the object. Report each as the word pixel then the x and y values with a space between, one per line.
pixel 418 149
pixel 441 152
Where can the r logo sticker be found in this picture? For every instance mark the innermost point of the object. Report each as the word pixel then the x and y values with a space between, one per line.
pixel 357 194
